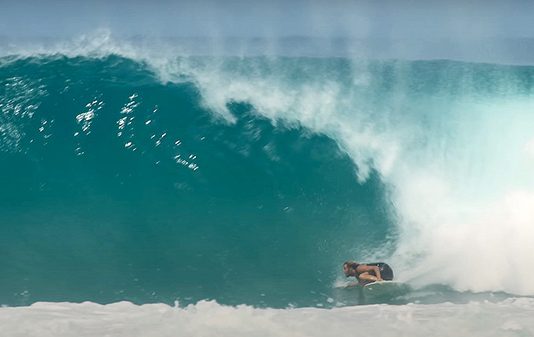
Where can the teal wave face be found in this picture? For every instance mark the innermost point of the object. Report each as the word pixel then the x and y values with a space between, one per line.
pixel 116 186
pixel 250 180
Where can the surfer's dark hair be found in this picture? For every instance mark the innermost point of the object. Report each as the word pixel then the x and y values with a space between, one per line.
pixel 350 265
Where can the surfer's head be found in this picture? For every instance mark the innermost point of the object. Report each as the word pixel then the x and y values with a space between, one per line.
pixel 349 268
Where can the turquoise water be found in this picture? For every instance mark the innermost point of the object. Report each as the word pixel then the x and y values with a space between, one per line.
pixel 251 180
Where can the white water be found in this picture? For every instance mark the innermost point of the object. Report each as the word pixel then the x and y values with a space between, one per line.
pixel 512 317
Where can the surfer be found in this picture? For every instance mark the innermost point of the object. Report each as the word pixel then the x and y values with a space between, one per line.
pixel 362 272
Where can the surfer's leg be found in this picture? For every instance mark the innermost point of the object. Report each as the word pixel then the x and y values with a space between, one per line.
pixel 367 277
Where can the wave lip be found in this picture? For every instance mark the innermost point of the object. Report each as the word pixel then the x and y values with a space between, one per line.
pixel 103 42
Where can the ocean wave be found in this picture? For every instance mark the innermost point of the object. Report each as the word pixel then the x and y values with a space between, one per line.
pixel 440 153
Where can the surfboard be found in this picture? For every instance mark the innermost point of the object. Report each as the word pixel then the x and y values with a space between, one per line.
pixel 385 289
pixel 347 285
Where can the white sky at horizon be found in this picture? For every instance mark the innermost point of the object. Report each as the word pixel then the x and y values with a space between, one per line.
pixel 270 19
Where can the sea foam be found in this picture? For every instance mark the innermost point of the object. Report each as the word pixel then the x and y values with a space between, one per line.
pixel 512 317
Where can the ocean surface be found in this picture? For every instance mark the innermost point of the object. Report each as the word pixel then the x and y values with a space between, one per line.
pixel 176 188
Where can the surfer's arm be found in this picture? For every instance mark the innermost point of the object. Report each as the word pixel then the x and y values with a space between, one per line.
pixel 377 273
pixel 363 268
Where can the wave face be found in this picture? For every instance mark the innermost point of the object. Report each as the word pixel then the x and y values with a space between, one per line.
pixel 250 180
pixel 118 186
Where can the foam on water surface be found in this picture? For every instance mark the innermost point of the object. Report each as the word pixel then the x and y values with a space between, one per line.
pixel 512 317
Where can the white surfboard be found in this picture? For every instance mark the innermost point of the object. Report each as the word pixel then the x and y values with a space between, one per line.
pixel 386 288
